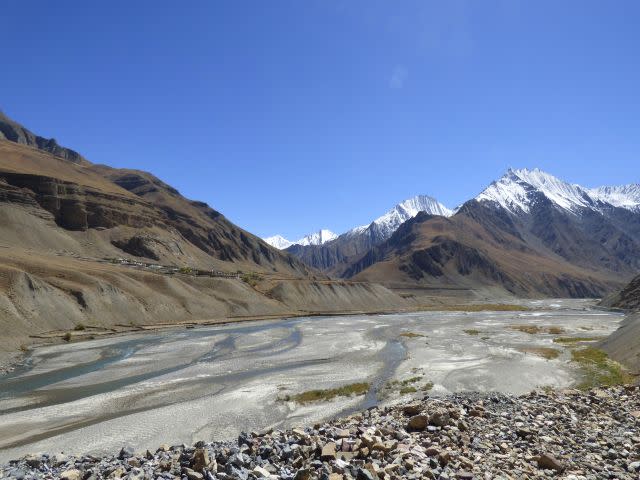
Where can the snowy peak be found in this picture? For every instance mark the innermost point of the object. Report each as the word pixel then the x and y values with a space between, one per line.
pixel 278 241
pixel 623 196
pixel 409 209
pixel 518 191
pixel 388 223
pixel 315 238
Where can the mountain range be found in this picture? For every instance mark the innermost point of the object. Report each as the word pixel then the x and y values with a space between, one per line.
pixel 89 244
pixel 527 232
pixel 315 238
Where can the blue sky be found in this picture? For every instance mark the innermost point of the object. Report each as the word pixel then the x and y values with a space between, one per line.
pixel 289 116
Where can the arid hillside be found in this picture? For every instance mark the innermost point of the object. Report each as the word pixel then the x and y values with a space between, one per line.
pixel 89 245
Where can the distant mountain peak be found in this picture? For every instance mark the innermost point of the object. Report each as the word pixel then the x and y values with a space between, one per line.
pixel 622 196
pixel 278 241
pixel 315 238
pixel 518 189
pixel 403 211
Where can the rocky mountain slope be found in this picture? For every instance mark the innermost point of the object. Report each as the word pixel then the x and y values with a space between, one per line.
pixel 14 132
pixel 628 298
pixel 65 223
pixel 528 233
pixel 335 256
pixel 624 344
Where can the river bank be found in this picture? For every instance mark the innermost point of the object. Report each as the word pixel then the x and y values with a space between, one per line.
pixel 568 434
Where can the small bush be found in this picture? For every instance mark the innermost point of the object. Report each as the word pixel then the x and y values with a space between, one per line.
pixel 472 331
pixel 80 327
pixel 66 337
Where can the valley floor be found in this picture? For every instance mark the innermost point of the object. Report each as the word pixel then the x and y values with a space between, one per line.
pixel 211 382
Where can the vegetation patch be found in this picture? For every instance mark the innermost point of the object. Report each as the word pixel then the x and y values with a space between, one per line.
pixel 570 340
pixel 411 335
pixel 66 337
pixel 555 330
pixel 330 394
pixel 598 369
pixel 404 387
pixel 472 331
pixel 530 329
pixel 544 352
pixel 408 389
pixel 251 278
pixel 480 307
pixel 535 329
pixel 80 327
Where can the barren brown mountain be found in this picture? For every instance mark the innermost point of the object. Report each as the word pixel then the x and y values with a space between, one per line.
pixel 89 247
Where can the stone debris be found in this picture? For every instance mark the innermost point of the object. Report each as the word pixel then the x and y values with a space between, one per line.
pixel 564 434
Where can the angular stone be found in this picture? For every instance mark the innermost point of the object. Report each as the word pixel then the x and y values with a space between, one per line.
pixel 549 462
pixel 418 422
pixel 200 460
pixel 328 452
pixel 73 474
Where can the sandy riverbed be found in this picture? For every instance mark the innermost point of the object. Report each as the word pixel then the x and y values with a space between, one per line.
pixel 212 382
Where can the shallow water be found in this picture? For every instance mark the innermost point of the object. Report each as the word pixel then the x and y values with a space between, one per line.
pixel 212 382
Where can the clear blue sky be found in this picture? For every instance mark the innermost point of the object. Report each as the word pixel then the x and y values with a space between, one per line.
pixel 288 116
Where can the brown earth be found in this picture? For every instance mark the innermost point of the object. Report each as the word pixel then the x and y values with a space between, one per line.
pixel 71 231
pixel 460 252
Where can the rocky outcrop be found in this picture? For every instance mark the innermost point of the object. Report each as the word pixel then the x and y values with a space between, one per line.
pixel 14 132
pixel 574 434
pixel 74 206
pixel 628 298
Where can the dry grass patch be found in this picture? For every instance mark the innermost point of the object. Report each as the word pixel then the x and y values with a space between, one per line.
pixel 544 352
pixel 480 307
pixel 535 329
pixel 530 329
pixel 411 335
pixel 571 340
pixel 556 330
pixel 330 394
pixel 472 331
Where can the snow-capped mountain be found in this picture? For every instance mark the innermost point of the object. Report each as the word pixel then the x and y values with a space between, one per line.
pixel 623 196
pixel 388 223
pixel 278 241
pixel 518 191
pixel 315 238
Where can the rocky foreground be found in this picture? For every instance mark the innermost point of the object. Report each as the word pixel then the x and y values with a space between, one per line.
pixel 567 434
